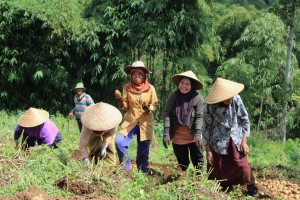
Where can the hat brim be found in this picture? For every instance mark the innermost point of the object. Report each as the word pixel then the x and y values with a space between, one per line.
pixel 29 119
pixel 101 117
pixel 128 68
pixel 177 78
pixel 79 88
pixel 222 90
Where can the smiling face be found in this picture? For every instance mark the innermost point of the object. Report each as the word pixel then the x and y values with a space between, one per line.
pixel 137 77
pixel 185 85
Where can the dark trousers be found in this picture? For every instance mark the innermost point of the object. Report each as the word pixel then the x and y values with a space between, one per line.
pixel 79 124
pixel 182 154
pixel 142 156
pixel 32 141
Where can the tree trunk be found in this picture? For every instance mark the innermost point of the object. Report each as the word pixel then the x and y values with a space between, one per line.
pixel 153 68
pixel 287 71
pixel 260 113
pixel 163 87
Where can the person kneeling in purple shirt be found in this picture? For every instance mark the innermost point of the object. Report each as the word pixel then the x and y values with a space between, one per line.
pixel 37 129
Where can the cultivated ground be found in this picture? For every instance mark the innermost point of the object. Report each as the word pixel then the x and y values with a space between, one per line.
pixel 47 174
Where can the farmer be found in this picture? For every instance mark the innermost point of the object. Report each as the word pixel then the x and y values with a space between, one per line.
pixel 100 124
pixel 81 101
pixel 225 130
pixel 183 117
pixel 139 100
pixel 37 129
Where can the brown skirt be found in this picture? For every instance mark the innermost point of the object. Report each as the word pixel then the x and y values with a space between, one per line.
pixel 233 168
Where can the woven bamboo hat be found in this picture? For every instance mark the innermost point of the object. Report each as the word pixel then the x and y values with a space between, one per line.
pixel 189 74
pixel 101 117
pixel 223 89
pixel 136 64
pixel 33 117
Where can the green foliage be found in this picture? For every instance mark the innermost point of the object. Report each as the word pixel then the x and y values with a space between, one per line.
pixel 264 151
pixel 292 151
pixel 58 43
pixel 44 166
pixel 48 46
pixel 259 66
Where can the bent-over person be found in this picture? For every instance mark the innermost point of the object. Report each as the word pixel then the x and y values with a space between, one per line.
pixel 37 129
pixel 100 124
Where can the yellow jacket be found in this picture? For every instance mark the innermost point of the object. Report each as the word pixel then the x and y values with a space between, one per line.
pixel 132 104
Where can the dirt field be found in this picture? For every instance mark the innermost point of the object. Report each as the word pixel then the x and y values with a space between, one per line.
pixel 271 186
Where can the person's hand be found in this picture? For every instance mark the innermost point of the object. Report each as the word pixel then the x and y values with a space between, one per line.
pixel 244 148
pixel 70 115
pixel 198 140
pixel 209 157
pixel 103 152
pixel 86 162
pixel 166 140
pixel 118 96
pixel 146 107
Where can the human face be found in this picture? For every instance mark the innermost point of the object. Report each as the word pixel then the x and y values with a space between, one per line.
pixel 185 85
pixel 227 102
pixel 79 91
pixel 137 77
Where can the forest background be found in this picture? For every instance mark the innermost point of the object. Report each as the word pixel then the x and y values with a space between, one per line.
pixel 47 46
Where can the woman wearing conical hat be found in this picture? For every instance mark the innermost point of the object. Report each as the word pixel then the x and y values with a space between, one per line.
pixel 225 130
pixel 100 124
pixel 183 120
pixel 37 129
pixel 139 100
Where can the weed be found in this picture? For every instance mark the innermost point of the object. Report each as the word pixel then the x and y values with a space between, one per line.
pixel 44 166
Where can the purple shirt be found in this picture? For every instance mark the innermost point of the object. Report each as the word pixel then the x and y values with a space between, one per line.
pixel 45 132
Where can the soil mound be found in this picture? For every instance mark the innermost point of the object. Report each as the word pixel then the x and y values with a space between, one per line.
pixel 33 193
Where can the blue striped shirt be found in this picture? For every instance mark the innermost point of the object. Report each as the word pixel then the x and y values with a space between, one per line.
pixel 81 104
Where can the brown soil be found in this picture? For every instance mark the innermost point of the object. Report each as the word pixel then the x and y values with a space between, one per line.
pixel 2 145
pixel 78 188
pixel 76 155
pixel 35 193
pixel 165 173
pixel 271 185
pixel 279 189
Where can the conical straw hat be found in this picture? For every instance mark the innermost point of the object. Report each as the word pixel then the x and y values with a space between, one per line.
pixel 222 90
pixel 136 64
pixel 101 117
pixel 33 117
pixel 189 74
